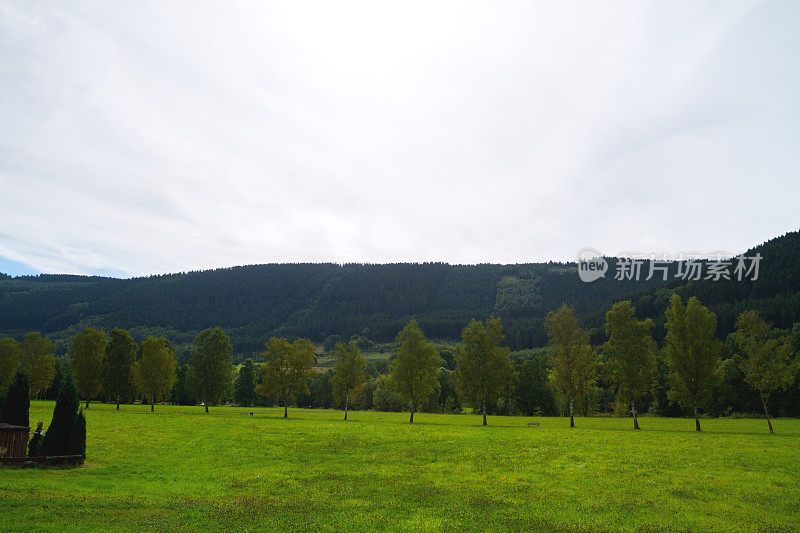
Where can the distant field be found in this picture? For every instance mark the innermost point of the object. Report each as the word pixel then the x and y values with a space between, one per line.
pixel 180 469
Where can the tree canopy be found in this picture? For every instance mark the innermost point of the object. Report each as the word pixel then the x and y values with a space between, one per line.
pixel 210 372
pixel 692 353
pixel 349 373
pixel 86 356
pixel 415 367
pixel 631 358
pixel 286 369
pixel 483 366
pixel 154 373
pixel 573 359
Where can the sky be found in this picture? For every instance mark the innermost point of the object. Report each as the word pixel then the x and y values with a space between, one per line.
pixel 151 137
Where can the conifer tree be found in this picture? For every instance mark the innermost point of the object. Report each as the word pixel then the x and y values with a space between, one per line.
pixel 17 401
pixel 57 439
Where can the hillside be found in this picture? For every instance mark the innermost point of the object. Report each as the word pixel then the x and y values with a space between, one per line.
pixel 314 300
pixel 319 300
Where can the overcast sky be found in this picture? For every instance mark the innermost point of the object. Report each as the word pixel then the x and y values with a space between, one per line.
pixel 149 137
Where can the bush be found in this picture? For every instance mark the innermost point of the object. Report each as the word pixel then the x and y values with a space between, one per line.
pixel 77 440
pixel 17 402
pixel 58 437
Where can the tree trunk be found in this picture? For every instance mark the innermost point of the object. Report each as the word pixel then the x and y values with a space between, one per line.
pixel 635 420
pixel 346 404
pixel 206 404
pixel 411 421
pixel 153 406
pixel 766 413
pixel 484 410
pixel 696 418
pixel 571 413
pixel 285 408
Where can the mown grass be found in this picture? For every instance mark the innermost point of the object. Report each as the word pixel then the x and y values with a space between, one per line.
pixel 180 469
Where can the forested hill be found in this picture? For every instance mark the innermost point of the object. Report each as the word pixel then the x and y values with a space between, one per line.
pixel 313 300
pixel 775 294
pixel 319 300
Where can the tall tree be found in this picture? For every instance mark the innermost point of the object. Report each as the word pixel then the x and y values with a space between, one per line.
pixel 244 391
pixel 115 374
pixel 483 366
pixel 38 361
pixel 692 353
pixel 415 369
pixel 86 356
pixel 16 405
pixel 630 351
pixel 348 374
pixel 764 357
pixel 10 357
pixel 573 359
pixel 286 369
pixel 154 374
pixel 210 371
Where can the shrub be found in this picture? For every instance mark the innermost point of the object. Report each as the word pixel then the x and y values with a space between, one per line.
pixel 17 401
pixel 77 440
pixel 58 437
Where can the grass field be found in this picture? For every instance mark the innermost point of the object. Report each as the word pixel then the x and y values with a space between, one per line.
pixel 180 469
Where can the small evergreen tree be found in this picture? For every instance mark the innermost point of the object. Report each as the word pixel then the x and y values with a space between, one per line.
pixel 57 439
pixel 77 438
pixel 245 387
pixel 17 401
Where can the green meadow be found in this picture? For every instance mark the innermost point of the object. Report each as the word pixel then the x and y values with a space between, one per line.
pixel 180 469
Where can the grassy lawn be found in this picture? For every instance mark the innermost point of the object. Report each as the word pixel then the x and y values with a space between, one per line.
pixel 180 469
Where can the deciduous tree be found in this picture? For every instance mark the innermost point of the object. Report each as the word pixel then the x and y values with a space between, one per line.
pixel 573 359
pixel 482 365
pixel 10 357
pixel 38 361
pixel 115 374
pixel 415 369
pixel 631 358
pixel 692 353
pixel 210 372
pixel 86 357
pixel 286 369
pixel 764 357
pixel 348 374
pixel 154 373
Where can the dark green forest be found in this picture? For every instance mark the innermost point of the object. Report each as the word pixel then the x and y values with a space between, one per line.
pixel 316 301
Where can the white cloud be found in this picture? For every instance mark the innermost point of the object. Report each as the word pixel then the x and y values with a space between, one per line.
pixel 154 137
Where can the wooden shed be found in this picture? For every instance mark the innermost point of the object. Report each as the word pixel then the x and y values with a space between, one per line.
pixel 13 440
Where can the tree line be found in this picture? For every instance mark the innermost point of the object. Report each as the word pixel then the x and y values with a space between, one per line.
pixel 480 372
